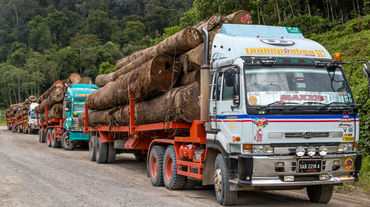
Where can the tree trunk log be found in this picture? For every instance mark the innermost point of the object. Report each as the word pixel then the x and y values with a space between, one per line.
pixel 180 42
pixel 74 78
pixel 239 17
pixel 56 111
pixel 150 79
pixel 86 80
pixel 178 104
pixel 55 96
pixel 57 84
pixel 126 60
pixel 189 78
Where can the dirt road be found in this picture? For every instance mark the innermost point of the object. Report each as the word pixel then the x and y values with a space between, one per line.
pixel 32 174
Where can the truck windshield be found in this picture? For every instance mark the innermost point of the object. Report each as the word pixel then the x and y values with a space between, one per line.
pixel 78 107
pixel 296 85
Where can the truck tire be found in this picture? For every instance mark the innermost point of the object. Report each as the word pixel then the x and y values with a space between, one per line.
pixel 40 136
pixel 66 144
pixel 111 152
pixel 224 195
pixel 44 135
pixel 155 165
pixel 55 143
pixel 171 179
pixel 320 193
pixel 101 151
pixel 49 137
pixel 92 147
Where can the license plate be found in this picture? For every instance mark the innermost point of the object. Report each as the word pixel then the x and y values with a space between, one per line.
pixel 309 166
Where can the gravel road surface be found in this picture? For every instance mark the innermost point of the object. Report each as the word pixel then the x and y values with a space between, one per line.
pixel 32 174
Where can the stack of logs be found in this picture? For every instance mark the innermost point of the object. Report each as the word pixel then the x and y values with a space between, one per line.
pixel 12 110
pixel 24 108
pixel 54 96
pixel 163 79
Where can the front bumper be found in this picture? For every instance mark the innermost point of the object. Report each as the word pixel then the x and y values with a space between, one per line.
pixel 261 171
pixel 78 136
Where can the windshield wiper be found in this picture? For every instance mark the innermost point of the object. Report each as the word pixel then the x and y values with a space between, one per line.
pixel 276 102
pixel 307 103
pixel 335 102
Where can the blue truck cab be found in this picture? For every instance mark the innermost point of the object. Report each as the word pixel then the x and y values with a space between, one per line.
pixel 73 106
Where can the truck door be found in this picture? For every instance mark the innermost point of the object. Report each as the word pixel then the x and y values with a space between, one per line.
pixel 227 96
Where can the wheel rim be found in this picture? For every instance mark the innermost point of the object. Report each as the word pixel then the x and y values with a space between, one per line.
pixel 67 142
pixel 53 137
pixel 154 167
pixel 169 168
pixel 218 181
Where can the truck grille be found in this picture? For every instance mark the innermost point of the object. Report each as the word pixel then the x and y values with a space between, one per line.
pixel 306 134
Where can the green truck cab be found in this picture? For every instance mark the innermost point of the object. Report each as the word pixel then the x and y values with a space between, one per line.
pixel 73 106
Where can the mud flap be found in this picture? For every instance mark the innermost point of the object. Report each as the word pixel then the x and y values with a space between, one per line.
pixel 245 169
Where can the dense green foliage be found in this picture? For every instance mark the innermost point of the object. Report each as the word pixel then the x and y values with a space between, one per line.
pixel 42 41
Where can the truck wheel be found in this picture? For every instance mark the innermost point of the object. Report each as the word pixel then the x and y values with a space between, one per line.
pixel 66 144
pixel 320 193
pixel 92 147
pixel 224 195
pixel 40 136
pixel 171 179
pixel 156 165
pixel 101 151
pixel 49 137
pixel 111 152
pixel 55 143
pixel 44 135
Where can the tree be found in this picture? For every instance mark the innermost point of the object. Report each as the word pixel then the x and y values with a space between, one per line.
pixel 158 19
pixel 39 36
pixel 133 32
pixel 106 67
pixel 99 23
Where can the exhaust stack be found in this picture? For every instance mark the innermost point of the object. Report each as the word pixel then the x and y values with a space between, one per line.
pixel 204 79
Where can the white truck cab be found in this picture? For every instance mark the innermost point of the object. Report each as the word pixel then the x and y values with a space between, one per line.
pixel 282 113
pixel 32 119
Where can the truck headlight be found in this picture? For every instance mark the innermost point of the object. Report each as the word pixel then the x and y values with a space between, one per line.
pixel 323 150
pixel 300 151
pixel 311 151
pixel 345 147
pixel 262 149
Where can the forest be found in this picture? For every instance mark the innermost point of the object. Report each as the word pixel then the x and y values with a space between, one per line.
pixel 45 40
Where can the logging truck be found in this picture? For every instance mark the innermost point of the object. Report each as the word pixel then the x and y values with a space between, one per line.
pixel 28 122
pixel 67 131
pixel 276 113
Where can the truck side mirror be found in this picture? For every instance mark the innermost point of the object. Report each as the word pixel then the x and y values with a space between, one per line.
pixel 68 106
pixel 230 77
pixel 366 70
